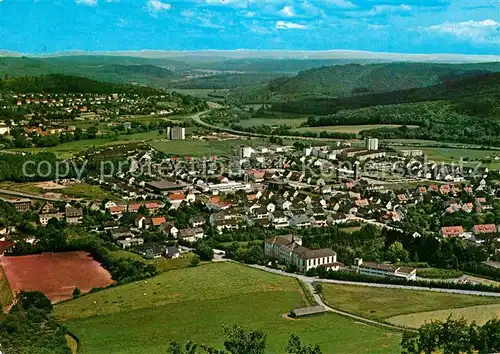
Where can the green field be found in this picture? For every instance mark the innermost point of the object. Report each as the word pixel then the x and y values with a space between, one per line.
pixel 292 122
pixel 203 148
pixel 194 303
pixel 479 314
pixel 383 303
pixel 354 129
pixel 70 149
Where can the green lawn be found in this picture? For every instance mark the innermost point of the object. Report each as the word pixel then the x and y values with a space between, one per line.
pixel 204 148
pixel 194 303
pixel 382 303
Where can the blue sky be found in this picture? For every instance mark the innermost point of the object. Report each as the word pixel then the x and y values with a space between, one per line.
pixel 403 26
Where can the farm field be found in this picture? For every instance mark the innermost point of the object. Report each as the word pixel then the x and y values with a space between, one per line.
pixel 194 303
pixel 203 148
pixel 354 129
pixel 383 304
pixel 480 314
pixel 55 274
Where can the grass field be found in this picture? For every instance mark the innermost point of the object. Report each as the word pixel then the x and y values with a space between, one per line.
pixel 381 303
pixel 480 314
pixel 354 129
pixel 70 149
pixel 194 303
pixel 161 264
pixel 203 148
pixel 292 122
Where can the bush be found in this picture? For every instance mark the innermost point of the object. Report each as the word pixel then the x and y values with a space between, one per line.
pixel 436 273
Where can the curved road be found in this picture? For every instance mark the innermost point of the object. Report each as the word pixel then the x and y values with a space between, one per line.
pixel 197 119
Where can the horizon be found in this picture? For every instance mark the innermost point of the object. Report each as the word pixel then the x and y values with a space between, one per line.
pixel 424 27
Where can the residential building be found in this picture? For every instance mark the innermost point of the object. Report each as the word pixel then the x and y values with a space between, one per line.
pixel 21 205
pixel 452 231
pixel 74 216
pixel 191 234
pixel 177 133
pixel 484 229
pixel 384 270
pixel 371 143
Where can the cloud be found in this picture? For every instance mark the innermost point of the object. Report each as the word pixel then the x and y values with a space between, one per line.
pixel 485 31
pixel 344 4
pixel 87 2
pixel 157 5
pixel 380 9
pixel 287 11
pixel 289 25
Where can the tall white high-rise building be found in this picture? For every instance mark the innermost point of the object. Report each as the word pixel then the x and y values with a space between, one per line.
pixel 177 133
pixel 371 143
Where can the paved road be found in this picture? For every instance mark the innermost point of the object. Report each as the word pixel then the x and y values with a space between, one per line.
pixel 26 195
pixel 307 279
pixel 197 119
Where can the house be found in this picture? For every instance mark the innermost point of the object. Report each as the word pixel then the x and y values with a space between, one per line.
pixel 299 221
pixel 384 270
pixel 157 221
pixel 362 202
pixel 197 221
pixel 132 242
pixel 21 205
pixel 151 251
pixel 74 216
pixel 169 229
pixel 176 199
pixel 452 231
pixel 121 233
pixel 484 229
pixel 278 219
pixel 289 250
pixel 226 224
pixel 172 252
pixel 191 234
pixel 117 209
pixel 48 212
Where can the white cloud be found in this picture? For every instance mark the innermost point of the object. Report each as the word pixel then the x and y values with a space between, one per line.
pixel 287 11
pixel 289 25
pixel 157 5
pixel 188 13
pixel 379 9
pixel 344 4
pixel 485 31
pixel 250 14
pixel 87 2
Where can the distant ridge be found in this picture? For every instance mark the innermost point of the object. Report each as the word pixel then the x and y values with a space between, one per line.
pixel 275 54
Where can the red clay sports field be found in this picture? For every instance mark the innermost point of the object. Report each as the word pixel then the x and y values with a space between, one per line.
pixel 55 274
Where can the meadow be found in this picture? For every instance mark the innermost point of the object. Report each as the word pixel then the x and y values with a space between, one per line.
pixel 292 122
pixel 384 304
pixel 194 304
pixel 479 314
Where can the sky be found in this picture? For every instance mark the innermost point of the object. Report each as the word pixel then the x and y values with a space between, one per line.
pixel 398 26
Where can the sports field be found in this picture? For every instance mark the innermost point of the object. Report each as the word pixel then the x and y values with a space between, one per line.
pixel 55 274
pixel 383 304
pixel 194 303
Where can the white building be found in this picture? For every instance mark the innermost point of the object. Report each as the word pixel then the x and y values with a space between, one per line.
pixel 245 152
pixel 371 143
pixel 384 270
pixel 289 250
pixel 177 133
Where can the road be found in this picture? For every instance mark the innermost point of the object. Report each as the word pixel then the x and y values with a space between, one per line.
pixel 307 279
pixel 197 119
pixel 26 195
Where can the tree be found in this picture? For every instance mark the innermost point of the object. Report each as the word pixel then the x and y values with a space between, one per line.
pixel 294 346
pixel 194 261
pixel 34 299
pixel 396 253
pixel 240 342
pixel 204 250
pixel 319 288
pixel 76 293
pixel 255 255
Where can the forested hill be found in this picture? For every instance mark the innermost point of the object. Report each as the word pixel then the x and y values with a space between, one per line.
pixel 59 83
pixel 482 92
pixel 353 79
